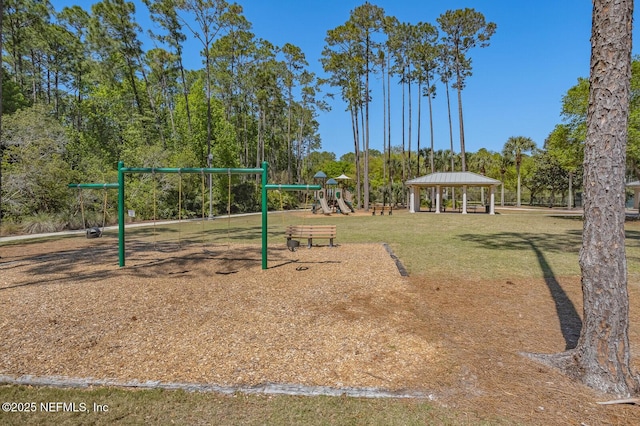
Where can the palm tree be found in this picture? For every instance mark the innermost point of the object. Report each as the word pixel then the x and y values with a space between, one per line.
pixel 481 161
pixel 427 155
pixel 442 157
pixel 504 161
pixel 515 147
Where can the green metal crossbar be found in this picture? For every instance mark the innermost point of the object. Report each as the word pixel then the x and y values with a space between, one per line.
pixel 207 170
pixel 121 192
pixel 94 185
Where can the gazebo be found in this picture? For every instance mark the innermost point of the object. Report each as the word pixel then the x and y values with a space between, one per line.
pixel 442 180
pixel 636 193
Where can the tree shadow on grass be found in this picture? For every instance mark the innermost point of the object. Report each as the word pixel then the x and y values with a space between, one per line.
pixel 570 321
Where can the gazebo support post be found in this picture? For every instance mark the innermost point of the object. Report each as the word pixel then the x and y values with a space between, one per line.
pixel 464 199
pixel 411 197
pixel 492 209
pixel 414 199
pixel 438 198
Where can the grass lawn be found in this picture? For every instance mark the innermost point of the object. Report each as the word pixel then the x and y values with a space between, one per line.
pixel 466 250
pixel 474 246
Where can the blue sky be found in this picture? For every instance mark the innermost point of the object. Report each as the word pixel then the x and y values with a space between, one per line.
pixel 538 52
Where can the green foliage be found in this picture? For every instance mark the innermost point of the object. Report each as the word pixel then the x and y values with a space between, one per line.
pixel 253 101
pixel 36 173
pixel 566 141
pixel 463 30
pixel 12 97
pixel 517 147
pixel 281 200
pixel 481 161
pixel 575 103
pixel 547 174
pixel 336 168
pixel 246 197
pixel 316 161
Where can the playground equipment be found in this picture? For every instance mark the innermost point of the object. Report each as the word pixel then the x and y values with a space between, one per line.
pixel 122 170
pixel 322 199
pixel 342 203
pixel 94 231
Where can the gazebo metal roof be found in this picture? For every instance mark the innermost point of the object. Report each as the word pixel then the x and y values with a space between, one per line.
pixel 453 179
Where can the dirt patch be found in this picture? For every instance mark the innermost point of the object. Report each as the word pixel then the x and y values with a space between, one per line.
pixel 338 317
pixel 484 327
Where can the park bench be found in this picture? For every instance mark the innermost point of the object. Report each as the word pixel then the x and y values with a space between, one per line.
pixel 310 232
pixel 470 208
pixel 381 209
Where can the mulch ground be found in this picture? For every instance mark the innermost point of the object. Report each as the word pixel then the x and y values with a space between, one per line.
pixel 338 317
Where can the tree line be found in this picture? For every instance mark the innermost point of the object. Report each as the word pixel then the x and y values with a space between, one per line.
pixel 79 93
pixel 372 44
pixel 105 98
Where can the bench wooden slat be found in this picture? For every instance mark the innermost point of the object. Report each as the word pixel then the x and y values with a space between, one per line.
pixel 311 226
pixel 310 232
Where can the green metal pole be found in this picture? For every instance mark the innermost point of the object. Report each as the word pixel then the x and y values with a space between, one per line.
pixel 265 211
pixel 198 170
pixel 94 185
pixel 121 250
pixel 293 187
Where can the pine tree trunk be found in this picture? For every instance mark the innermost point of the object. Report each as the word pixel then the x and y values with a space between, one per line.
pixel 185 90
pixel 570 200
pixel 409 135
pixel 356 146
pixel 404 160
pixel 450 125
pixel 603 348
pixel 1 79
pixel 463 152
pixel 419 124
pixel 601 358
pixel 518 194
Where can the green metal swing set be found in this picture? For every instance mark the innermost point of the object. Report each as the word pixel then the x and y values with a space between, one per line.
pixel 122 170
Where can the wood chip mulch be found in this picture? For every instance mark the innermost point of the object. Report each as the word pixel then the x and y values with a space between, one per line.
pixel 209 314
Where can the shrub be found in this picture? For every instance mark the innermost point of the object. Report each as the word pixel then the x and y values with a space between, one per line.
pixel 9 227
pixel 42 223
